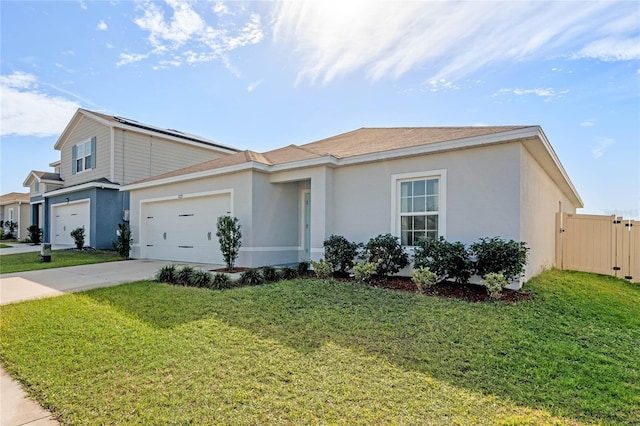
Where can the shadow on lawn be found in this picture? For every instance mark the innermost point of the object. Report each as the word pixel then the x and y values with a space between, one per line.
pixel 533 353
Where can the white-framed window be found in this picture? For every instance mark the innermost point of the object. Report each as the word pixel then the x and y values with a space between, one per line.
pixel 418 206
pixel 11 214
pixel 83 156
pixel 36 186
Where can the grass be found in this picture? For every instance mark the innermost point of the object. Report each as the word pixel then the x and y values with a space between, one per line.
pixel 310 351
pixel 3 245
pixel 21 262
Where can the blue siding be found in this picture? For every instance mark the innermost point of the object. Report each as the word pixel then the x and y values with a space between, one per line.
pixel 107 206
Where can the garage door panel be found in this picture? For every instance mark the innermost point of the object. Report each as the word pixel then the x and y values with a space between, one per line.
pixel 66 218
pixel 185 229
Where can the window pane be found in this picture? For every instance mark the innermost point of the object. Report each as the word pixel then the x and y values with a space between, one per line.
pixel 88 162
pixel 87 148
pixel 79 165
pixel 405 189
pixel 79 151
pixel 432 223
pixel 432 234
pixel 432 204
pixel 406 238
pixel 406 205
pixel 419 223
pixel 419 187
pixel 432 187
pixel 418 235
pixel 419 204
pixel 406 223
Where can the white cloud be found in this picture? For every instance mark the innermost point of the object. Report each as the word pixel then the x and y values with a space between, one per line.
pixel 83 5
pixel 253 86
pixel 588 123
pixel 129 58
pixel 221 9
pixel 442 84
pixel 447 39
pixel 26 111
pixel 601 145
pixel 541 92
pixel 102 26
pixel 176 28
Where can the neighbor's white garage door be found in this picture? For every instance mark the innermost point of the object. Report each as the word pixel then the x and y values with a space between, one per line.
pixel 66 218
pixel 184 229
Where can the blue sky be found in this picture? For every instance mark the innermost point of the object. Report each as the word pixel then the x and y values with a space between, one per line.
pixel 261 75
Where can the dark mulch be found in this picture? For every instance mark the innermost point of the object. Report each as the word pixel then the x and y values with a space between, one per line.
pixel 451 290
pixel 230 271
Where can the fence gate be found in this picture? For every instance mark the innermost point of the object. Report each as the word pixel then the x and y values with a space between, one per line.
pixel 605 245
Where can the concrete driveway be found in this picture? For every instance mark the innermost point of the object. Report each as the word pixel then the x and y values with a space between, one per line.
pixel 15 407
pixel 21 286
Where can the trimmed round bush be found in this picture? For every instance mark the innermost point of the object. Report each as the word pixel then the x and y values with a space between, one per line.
pixel 387 252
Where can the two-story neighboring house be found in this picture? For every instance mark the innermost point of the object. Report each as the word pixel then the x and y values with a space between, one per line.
pixel 98 154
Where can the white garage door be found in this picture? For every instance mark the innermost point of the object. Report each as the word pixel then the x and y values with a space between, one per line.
pixel 66 218
pixel 184 229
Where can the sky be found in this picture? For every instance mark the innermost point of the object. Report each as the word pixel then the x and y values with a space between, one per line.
pixel 261 75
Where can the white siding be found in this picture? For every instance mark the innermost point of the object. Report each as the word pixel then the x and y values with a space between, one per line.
pixel 139 156
pixel 83 132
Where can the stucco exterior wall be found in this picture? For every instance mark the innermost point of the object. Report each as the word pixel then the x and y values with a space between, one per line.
pixel 482 194
pixel 540 200
pixel 21 215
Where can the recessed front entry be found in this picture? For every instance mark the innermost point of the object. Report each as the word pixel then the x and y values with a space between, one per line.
pixel 183 229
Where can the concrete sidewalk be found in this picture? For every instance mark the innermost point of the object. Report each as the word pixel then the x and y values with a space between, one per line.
pixel 15 407
pixel 27 248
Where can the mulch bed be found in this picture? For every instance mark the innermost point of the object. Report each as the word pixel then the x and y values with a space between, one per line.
pixel 450 290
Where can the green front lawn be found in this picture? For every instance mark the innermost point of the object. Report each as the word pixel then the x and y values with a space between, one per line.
pixel 3 245
pixel 21 262
pixel 311 351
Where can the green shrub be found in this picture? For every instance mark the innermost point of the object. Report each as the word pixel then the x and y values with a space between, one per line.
pixel 35 234
pixel 270 274
pixel 387 253
pixel 289 273
pixel 322 269
pixel 494 284
pixel 229 236
pixel 251 277
pixel 340 252
pixel 423 278
pixel 78 237
pixel 167 274
pixel 495 255
pixel 122 244
pixel 364 271
pixel 303 267
pixel 10 227
pixel 200 279
pixel 446 260
pixel 184 276
pixel 221 282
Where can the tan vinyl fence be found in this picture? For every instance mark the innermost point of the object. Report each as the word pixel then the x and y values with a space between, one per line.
pixel 607 245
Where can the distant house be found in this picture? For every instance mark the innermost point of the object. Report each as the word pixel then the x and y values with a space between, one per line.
pixel 461 183
pixel 14 207
pixel 98 154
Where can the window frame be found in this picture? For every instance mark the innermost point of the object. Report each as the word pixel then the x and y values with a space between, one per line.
pixel 82 146
pixel 396 193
